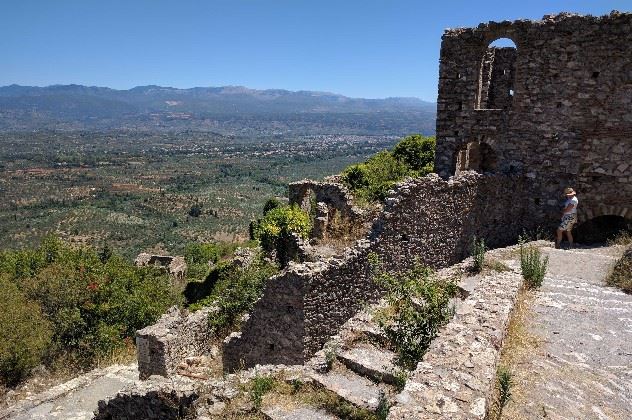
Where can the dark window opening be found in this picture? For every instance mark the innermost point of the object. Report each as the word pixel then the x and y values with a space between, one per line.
pixel 600 229
pixel 457 133
pixel 595 74
pixel 476 156
pixel 511 92
pixel 460 106
pixel 558 105
pixel 459 76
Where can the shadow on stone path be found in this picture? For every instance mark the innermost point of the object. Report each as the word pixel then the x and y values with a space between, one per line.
pixel 76 399
pixel 583 369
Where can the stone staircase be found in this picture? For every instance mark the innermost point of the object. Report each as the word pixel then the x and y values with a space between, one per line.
pixel 356 366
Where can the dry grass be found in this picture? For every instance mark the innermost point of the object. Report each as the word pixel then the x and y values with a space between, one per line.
pixel 621 274
pixel 520 343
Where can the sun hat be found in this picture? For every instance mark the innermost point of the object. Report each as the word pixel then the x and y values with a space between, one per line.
pixel 569 191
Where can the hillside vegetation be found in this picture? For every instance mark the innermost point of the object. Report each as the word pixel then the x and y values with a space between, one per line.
pixel 73 307
pixel 371 180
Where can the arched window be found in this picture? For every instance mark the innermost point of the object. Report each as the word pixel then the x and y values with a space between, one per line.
pixel 496 78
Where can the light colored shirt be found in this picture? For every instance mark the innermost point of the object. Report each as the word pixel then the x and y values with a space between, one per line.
pixel 572 201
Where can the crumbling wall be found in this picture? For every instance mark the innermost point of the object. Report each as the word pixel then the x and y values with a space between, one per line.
pixel 428 219
pixel 176 267
pixel 332 206
pixel 178 334
pixel 568 121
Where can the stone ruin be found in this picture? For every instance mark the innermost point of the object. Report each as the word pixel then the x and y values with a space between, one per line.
pixel 176 267
pixel 556 108
pixel 514 127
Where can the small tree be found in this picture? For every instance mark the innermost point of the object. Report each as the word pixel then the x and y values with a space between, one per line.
pixel 417 152
pixel 275 229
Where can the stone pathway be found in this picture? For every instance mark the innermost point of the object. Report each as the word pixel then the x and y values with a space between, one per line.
pixel 583 367
pixel 76 399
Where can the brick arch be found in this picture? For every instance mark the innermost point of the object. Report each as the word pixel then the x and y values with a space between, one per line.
pixel 586 213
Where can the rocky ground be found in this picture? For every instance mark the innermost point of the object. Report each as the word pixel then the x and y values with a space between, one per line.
pixel 576 364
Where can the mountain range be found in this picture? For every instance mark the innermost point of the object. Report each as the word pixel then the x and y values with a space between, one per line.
pixel 228 109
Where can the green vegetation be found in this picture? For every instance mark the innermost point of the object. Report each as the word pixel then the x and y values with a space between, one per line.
pixel 533 265
pixel 370 181
pixel 504 383
pixel 73 306
pixel 274 230
pixel 155 192
pixel 478 254
pixel 260 386
pixel 621 274
pixel 234 290
pixel 418 305
pixel 198 255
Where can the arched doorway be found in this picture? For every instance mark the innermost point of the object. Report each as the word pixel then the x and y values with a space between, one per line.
pixel 600 229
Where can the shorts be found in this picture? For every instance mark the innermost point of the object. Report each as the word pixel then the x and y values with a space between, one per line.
pixel 568 221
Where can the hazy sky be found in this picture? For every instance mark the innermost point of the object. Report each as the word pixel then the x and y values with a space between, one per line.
pixel 363 48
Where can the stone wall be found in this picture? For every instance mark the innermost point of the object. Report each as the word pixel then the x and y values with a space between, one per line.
pixel 176 267
pixel 335 214
pixel 557 109
pixel 428 219
pixel 178 334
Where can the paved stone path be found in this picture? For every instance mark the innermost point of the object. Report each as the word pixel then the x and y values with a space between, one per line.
pixel 76 399
pixel 583 367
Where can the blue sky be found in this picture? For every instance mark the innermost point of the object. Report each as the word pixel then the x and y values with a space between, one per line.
pixel 361 48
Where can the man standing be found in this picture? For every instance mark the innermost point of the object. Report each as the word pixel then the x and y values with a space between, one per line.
pixel 569 217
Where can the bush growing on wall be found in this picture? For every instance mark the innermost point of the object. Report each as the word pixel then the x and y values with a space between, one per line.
pixel 279 223
pixel 370 181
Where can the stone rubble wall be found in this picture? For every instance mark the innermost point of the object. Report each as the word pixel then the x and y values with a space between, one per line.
pixel 427 219
pixel 335 213
pixel 569 120
pixel 457 375
pixel 178 334
pixel 176 267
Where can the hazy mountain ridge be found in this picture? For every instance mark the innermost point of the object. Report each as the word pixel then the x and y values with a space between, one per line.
pixel 156 107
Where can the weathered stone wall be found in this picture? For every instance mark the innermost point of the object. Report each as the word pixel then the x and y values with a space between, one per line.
pixel 428 219
pixel 335 214
pixel 178 334
pixel 569 120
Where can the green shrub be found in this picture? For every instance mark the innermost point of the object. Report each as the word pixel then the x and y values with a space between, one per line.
pixel 24 336
pixel 419 302
pixel 478 254
pixel 274 230
pixel 417 152
pixel 271 204
pixel 533 265
pixel 235 291
pixel 504 384
pixel 370 181
pixel 260 386
pixel 198 255
pixel 92 306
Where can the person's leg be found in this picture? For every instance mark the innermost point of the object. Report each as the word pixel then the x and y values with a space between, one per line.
pixel 569 235
pixel 558 238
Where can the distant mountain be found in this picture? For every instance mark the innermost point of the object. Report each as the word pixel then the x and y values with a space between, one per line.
pixel 228 109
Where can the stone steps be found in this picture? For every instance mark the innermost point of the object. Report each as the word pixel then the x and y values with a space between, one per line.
pixel 353 388
pixel 372 362
pixel 296 413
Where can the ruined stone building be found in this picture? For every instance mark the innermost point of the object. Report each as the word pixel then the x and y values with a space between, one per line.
pixel 556 108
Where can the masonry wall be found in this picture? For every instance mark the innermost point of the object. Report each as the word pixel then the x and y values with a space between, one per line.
pixel 428 219
pixel 569 120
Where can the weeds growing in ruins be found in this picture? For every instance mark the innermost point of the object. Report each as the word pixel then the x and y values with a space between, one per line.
pixel 260 386
pixel 478 254
pixel 533 265
pixel 330 355
pixel 419 304
pixel 504 383
pixel 383 407
pixel 401 376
